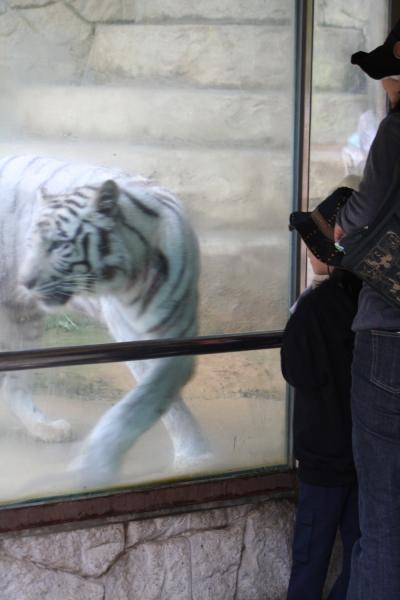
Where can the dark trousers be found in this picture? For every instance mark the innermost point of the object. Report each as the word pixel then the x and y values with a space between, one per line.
pixel 321 512
pixel 375 565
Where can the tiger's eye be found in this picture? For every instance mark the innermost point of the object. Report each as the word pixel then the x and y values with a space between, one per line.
pixel 107 272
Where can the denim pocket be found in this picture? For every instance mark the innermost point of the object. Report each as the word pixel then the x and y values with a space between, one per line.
pixel 385 366
pixel 302 535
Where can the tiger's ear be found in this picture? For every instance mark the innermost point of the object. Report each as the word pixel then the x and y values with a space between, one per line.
pixel 42 194
pixel 107 198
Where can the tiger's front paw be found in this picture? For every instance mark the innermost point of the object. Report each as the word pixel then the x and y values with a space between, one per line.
pixel 94 468
pixel 192 462
pixel 51 431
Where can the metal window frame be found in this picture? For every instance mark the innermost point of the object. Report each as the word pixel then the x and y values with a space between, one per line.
pixel 152 499
pixel 190 494
pixel 394 12
pixel 301 163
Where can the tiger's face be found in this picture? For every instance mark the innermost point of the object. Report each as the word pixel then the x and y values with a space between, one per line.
pixel 75 247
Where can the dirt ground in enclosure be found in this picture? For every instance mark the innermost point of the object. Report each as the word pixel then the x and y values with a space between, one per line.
pixel 239 400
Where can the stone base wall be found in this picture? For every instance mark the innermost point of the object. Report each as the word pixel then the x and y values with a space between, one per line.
pixel 235 553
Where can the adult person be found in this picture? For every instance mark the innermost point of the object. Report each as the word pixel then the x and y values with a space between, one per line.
pixel 375 570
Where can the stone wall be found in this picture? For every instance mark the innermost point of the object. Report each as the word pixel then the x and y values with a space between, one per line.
pixel 239 552
pixel 197 95
pixel 180 92
pixel 235 553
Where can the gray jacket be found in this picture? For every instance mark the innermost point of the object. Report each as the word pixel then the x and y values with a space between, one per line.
pixel 361 208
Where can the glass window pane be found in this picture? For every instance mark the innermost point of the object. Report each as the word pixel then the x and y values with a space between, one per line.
pixel 346 104
pixel 238 400
pixel 196 97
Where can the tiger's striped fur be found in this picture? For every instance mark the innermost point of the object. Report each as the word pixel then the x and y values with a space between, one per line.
pixel 118 247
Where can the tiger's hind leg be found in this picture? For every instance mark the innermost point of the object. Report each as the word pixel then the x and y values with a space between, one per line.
pixel 21 325
pixel 120 427
pixel 188 441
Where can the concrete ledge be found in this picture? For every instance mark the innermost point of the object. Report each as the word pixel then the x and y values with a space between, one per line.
pixel 207 55
pixel 149 114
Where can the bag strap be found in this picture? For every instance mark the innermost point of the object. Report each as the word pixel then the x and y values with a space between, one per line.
pixel 391 202
pixel 322 224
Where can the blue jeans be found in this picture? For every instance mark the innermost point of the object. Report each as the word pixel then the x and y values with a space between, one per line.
pixel 321 512
pixel 375 568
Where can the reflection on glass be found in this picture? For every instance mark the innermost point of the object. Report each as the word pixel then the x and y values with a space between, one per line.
pixel 237 400
pixel 347 105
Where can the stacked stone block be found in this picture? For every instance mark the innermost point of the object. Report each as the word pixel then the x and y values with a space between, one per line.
pixel 237 553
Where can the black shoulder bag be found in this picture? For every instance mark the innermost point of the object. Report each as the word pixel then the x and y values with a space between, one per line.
pixel 373 252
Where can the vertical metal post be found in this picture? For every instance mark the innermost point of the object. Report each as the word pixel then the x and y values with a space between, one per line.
pixel 302 118
pixel 394 11
pixel 304 28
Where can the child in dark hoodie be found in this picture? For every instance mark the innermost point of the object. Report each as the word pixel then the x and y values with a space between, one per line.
pixel 316 360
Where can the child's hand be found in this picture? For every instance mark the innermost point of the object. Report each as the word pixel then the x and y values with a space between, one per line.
pixel 338 233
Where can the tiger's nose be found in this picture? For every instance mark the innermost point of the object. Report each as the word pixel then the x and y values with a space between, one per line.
pixel 30 282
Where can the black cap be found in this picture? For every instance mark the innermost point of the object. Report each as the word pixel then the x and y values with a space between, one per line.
pixel 316 227
pixel 381 62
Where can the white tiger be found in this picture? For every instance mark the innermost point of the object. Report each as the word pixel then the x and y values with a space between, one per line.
pixel 115 243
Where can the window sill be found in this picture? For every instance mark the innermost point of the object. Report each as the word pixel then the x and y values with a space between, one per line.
pixel 149 501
